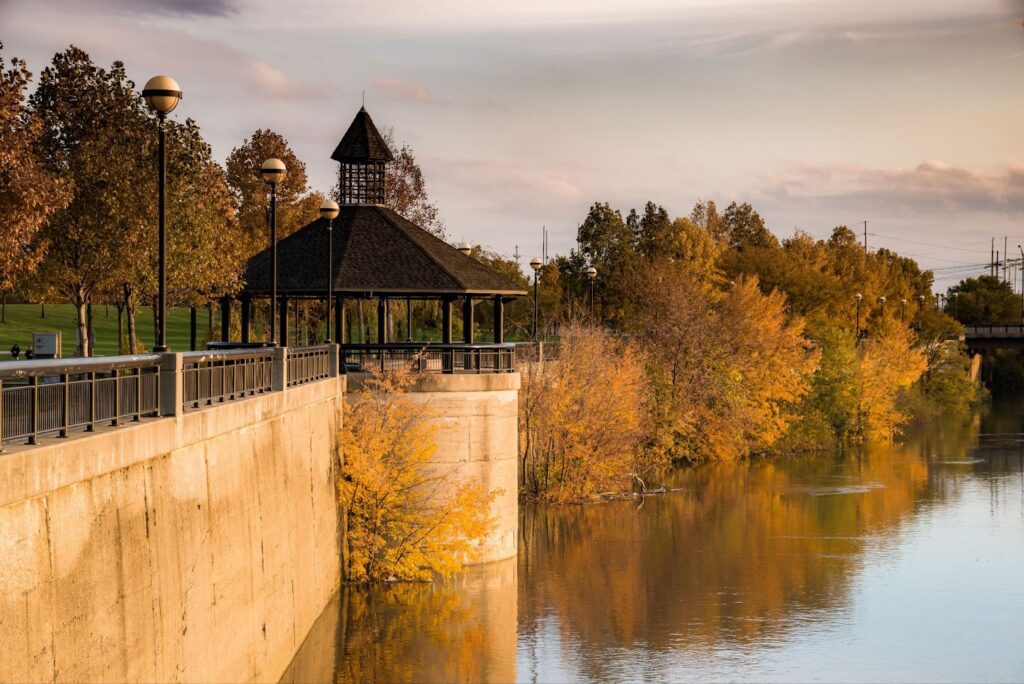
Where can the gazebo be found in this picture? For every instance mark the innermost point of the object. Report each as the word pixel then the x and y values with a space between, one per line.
pixel 376 255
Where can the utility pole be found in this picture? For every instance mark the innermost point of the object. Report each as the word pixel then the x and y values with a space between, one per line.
pixel 992 257
pixel 1005 256
pixel 865 237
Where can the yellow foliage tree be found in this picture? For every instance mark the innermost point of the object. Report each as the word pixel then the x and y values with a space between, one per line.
pixel 889 364
pixel 583 418
pixel 408 519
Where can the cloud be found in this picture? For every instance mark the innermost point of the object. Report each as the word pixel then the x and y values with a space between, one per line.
pixel 169 8
pixel 407 91
pixel 931 187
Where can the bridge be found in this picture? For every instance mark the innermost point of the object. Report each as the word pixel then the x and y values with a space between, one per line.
pixel 980 337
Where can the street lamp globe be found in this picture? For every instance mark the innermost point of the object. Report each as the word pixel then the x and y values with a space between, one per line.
pixel 858 296
pixel 903 301
pixel 465 247
pixel 591 273
pixel 273 171
pixel 536 263
pixel 162 94
pixel 920 298
pixel 329 210
pixel 882 299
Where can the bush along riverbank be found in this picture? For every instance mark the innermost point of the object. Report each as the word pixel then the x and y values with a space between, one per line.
pixel 718 343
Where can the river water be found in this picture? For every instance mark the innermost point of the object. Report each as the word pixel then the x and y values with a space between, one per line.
pixel 891 563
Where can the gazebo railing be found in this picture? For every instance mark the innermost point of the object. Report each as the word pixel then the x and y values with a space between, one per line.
pixel 212 377
pixel 429 357
pixel 306 364
pixel 56 396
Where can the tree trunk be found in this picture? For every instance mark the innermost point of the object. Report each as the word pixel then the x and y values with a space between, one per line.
pixel 209 321
pixel 89 329
pixel 133 340
pixel 83 337
pixel 42 309
pixel 120 327
pixel 3 309
pixel 156 321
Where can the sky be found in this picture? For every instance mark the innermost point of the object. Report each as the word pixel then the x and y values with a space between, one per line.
pixel 907 114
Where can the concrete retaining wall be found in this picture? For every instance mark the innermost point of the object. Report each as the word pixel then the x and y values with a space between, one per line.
pixel 478 437
pixel 195 548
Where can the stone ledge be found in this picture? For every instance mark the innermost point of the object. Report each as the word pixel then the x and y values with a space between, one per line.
pixel 439 382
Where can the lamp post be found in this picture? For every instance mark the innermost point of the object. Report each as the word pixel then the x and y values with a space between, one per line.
pixel 856 334
pixel 903 310
pixel 954 297
pixel 329 210
pixel 535 264
pixel 465 248
pixel 881 302
pixel 592 276
pixel 273 172
pixel 162 95
pixel 1021 284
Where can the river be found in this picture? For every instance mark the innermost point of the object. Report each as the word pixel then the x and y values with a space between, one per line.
pixel 891 563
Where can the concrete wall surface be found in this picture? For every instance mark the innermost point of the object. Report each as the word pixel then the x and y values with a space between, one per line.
pixel 477 437
pixel 200 547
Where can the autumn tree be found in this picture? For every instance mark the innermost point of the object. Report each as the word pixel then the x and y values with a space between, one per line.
pixel 406 190
pixel 29 192
pixel 297 205
pixel 92 121
pixel 408 519
pixel 582 419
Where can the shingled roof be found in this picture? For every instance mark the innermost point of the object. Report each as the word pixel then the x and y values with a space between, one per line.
pixel 376 251
pixel 362 142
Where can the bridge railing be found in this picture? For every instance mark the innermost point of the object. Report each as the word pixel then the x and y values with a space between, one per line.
pixel 419 357
pixel 55 397
pixel 213 377
pixel 994 331
pixel 307 364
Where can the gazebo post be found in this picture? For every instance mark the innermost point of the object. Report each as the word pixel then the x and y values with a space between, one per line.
pixel 446 320
pixel 499 320
pixel 246 317
pixel 225 318
pixel 382 323
pixel 339 319
pixel 284 321
pixel 467 319
pixel 408 319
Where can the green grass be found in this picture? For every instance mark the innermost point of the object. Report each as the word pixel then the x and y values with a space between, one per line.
pixel 23 319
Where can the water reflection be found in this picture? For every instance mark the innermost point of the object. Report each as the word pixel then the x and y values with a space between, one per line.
pixel 890 563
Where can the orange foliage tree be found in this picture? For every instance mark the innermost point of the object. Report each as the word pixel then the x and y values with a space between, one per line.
pixel 889 364
pixel 407 518
pixel 583 418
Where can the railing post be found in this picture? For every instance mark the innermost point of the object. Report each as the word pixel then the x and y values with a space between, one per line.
pixel 172 385
pixel 33 424
pixel 1 416
pixel 332 360
pixel 91 427
pixel 65 405
pixel 279 370
pixel 117 399
pixel 138 394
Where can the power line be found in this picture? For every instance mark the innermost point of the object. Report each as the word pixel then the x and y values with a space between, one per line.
pixel 927 244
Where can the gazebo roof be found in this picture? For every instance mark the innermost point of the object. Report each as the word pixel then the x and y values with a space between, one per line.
pixel 376 252
pixel 362 142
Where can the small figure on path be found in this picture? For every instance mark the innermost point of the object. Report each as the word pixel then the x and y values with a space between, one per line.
pixel 15 351
pixel 30 353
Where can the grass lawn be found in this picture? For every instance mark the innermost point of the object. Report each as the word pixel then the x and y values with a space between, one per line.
pixel 23 319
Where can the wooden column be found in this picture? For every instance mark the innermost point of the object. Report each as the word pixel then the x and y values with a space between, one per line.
pixel 446 320
pixel 382 321
pixel 467 320
pixel 339 319
pixel 283 341
pixel 499 320
pixel 225 319
pixel 246 317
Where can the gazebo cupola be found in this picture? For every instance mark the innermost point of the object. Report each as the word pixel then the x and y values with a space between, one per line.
pixel 363 155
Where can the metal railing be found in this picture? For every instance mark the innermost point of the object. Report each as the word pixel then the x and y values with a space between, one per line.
pixel 429 358
pixel 56 396
pixel 994 330
pixel 532 352
pixel 212 377
pixel 306 364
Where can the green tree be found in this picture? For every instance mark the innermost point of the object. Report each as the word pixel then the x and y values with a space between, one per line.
pixel 985 300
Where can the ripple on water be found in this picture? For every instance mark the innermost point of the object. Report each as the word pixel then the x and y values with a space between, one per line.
pixel 838 490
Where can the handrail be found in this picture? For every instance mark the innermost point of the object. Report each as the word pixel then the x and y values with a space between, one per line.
pixel 207 355
pixel 430 357
pixel 75 366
